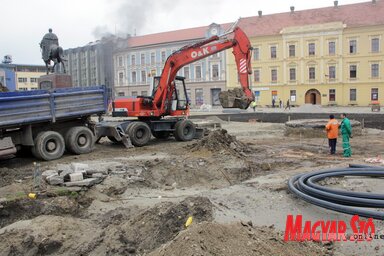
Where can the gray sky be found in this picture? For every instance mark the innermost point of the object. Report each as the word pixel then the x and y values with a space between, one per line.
pixel 78 22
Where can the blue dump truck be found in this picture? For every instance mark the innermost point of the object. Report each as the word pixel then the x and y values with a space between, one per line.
pixel 48 122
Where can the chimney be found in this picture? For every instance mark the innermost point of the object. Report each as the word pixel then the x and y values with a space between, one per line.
pixel 260 13
pixel 292 9
pixel 335 3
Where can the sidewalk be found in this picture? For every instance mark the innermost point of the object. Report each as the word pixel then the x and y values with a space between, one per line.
pixel 306 108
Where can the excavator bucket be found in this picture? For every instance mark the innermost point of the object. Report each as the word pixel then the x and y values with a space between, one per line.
pixel 235 98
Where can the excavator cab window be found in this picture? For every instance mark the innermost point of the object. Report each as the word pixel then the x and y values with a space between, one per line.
pixel 180 93
pixel 156 82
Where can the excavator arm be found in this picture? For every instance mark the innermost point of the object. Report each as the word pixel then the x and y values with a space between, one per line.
pixel 237 98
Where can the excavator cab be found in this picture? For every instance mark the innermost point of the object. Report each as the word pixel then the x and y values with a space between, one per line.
pixel 180 101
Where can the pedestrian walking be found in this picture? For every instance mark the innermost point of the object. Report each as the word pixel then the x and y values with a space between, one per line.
pixel 280 103
pixel 288 105
pixel 273 103
pixel 332 129
pixel 346 133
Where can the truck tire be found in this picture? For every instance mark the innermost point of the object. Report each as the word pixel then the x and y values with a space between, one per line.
pixel 185 130
pixel 49 145
pixel 79 140
pixel 161 135
pixel 139 133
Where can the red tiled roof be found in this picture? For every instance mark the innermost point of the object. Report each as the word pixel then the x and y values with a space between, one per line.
pixel 171 36
pixel 353 15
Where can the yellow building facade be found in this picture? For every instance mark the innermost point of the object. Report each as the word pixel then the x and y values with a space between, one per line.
pixel 27 76
pixel 326 63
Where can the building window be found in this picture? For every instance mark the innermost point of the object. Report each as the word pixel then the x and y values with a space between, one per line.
pixel 134 93
pixel 186 73
pixel 312 73
pixel 352 71
pixel 292 74
pixel 22 79
pixel 163 56
pixel 120 61
pixel 274 75
pixel 144 93
pixel 273 52
pixel 199 97
pixel 121 77
pixel 311 49
pixel 292 50
pixel 256 54
pixel 292 95
pixel 189 95
pixel 134 77
pixel 133 59
pixel 374 94
pixel 332 95
pixel 375 44
pixel 215 72
pixel 374 70
pixel 352 46
pixel 142 59
pixel 120 94
pixel 152 58
pixel 331 48
pixel 332 72
pixel 352 94
pixel 33 80
pixel 143 76
pixel 256 75
pixel 198 72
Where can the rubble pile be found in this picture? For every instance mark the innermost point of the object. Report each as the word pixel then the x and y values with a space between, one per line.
pixel 74 175
pixel 219 141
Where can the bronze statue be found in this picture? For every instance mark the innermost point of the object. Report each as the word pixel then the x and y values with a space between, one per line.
pixel 51 51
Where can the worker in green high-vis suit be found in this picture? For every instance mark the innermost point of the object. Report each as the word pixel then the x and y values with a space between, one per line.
pixel 346 133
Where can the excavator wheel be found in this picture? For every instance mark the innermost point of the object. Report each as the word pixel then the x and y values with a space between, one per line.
pixel 235 98
pixel 185 130
pixel 139 133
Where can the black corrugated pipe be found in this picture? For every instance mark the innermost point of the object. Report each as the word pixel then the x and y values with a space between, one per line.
pixel 305 186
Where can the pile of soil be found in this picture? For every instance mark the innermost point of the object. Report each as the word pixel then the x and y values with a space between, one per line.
pixel 149 229
pixel 24 209
pixel 119 232
pixel 234 239
pixel 219 141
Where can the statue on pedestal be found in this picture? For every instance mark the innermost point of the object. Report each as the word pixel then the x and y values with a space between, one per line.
pixel 51 51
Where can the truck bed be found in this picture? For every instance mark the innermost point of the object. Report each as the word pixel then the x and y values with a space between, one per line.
pixel 28 107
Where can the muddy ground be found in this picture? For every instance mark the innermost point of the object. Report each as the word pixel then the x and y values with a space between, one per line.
pixel 233 185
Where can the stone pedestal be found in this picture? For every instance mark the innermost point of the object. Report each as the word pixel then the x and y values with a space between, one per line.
pixel 53 81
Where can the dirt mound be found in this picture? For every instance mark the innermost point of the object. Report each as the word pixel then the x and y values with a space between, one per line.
pixel 123 233
pixel 27 209
pixel 158 225
pixel 234 239
pixel 220 141
pixel 50 235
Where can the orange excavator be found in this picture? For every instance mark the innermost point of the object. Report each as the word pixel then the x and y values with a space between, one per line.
pixel 164 113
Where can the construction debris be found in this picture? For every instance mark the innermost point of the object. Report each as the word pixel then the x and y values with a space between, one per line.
pixel 219 141
pixel 75 174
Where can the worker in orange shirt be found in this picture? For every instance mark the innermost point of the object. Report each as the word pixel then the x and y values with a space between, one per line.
pixel 332 129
